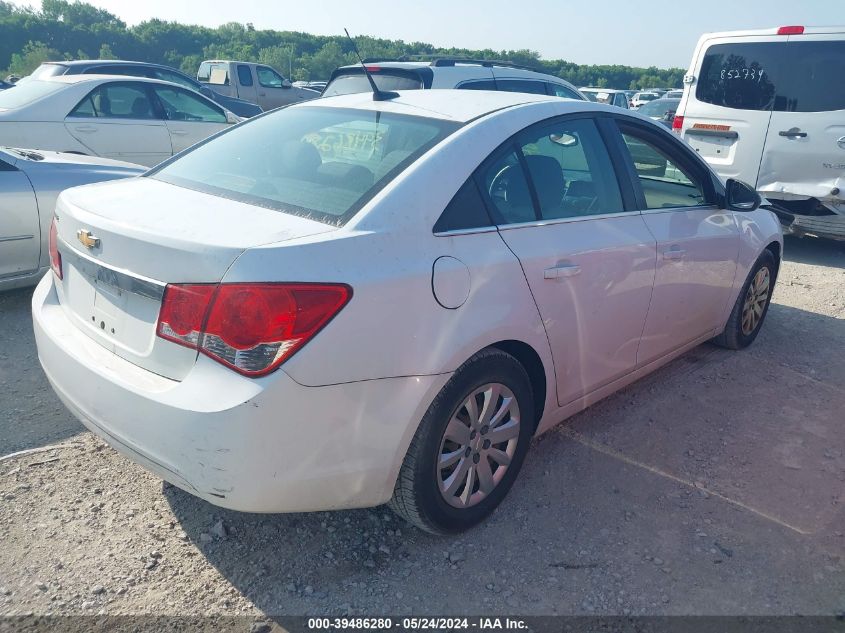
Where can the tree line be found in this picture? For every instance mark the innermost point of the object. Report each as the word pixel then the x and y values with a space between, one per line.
pixel 77 30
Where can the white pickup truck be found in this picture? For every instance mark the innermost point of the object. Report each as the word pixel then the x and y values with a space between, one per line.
pixel 255 83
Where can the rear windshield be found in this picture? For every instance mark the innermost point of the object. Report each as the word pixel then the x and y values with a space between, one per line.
pixel 320 163
pixel 355 82
pixel 48 70
pixel 779 76
pixel 659 107
pixel 27 92
pixel 646 96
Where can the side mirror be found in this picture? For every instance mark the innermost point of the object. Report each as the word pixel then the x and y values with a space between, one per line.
pixel 231 117
pixel 287 84
pixel 741 196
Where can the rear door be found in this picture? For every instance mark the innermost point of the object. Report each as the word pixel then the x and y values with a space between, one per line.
pixel 20 233
pixel 190 118
pixel 587 256
pixel 729 107
pixel 805 147
pixel 246 83
pixel 121 120
pixel 696 242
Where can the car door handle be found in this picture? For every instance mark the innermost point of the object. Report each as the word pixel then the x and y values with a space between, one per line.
pixel 793 133
pixel 87 129
pixel 561 270
pixel 674 253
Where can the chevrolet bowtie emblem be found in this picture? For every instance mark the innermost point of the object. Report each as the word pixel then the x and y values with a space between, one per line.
pixel 87 238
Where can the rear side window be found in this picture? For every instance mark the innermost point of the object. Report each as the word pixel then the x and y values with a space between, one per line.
pixel 521 85
pixel 815 81
pixel 562 91
pixel 355 82
pixel 48 70
pixel 465 211
pixel 316 162
pixel 483 84
pixel 116 101
pixel 244 75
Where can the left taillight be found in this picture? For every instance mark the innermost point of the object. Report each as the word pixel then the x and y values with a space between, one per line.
pixel 55 255
pixel 250 328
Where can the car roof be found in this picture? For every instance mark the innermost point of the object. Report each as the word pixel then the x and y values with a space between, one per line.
pixel 110 62
pixel 76 79
pixel 608 90
pixel 449 104
pixel 808 30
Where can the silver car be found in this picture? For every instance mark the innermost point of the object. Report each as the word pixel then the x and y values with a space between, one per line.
pixel 30 182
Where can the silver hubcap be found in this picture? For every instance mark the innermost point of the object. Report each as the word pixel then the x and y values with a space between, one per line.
pixel 478 445
pixel 755 301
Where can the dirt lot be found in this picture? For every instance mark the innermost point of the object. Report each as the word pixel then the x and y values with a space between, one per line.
pixel 714 486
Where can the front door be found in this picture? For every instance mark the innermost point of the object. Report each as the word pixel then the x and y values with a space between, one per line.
pixel 20 232
pixel 696 242
pixel 588 259
pixel 118 120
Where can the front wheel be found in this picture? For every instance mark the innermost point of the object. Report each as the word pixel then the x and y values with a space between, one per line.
pixel 751 305
pixel 469 447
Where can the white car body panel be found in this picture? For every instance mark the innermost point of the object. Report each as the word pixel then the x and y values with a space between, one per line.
pixel 329 429
pixel 45 124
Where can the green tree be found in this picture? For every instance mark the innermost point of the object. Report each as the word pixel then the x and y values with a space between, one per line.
pixel 33 54
pixel 106 52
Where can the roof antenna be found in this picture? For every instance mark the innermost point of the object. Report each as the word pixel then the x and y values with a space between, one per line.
pixel 378 95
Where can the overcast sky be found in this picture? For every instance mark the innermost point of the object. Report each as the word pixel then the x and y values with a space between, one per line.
pixel 632 32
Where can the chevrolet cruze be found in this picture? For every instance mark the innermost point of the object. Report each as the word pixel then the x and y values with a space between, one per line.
pixel 356 301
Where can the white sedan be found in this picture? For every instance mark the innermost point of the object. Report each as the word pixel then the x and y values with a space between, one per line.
pixel 136 120
pixel 350 301
pixel 30 182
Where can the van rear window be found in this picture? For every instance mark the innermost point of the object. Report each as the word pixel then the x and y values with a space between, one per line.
pixel 774 76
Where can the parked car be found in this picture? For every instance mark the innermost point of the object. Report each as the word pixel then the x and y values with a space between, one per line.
pixel 242 108
pixel 762 106
pixel 465 74
pixel 673 94
pixel 661 110
pixel 30 182
pixel 349 301
pixel 137 120
pixel 616 98
pixel 256 83
pixel 641 98
pixel 4 85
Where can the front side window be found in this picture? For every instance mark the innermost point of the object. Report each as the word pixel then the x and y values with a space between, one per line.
pixel 244 75
pixel 317 162
pixel 181 105
pixel 268 77
pixel 665 182
pixel 116 101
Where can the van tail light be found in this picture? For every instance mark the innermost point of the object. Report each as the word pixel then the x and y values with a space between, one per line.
pixel 55 255
pixel 677 124
pixel 251 328
pixel 791 30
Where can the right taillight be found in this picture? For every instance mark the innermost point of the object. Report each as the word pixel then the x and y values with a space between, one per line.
pixel 55 255
pixel 251 328
pixel 677 124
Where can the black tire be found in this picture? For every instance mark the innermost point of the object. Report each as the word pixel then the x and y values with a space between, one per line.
pixel 733 337
pixel 416 496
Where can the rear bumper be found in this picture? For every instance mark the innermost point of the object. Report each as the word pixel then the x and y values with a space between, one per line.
pixel 827 226
pixel 267 445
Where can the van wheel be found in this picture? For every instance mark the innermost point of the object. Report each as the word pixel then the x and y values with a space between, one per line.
pixel 751 305
pixel 469 446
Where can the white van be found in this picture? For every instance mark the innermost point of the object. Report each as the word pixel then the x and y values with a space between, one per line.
pixel 768 107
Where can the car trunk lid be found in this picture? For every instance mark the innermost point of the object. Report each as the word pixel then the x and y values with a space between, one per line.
pixel 122 243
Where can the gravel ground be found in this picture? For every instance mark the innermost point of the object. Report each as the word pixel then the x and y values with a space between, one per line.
pixel 714 486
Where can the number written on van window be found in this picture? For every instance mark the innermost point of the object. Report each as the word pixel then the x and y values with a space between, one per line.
pixel 751 74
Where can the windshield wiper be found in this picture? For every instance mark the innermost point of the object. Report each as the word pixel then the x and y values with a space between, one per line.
pixel 26 153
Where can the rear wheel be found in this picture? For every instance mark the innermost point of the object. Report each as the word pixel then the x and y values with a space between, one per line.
pixel 751 305
pixel 469 447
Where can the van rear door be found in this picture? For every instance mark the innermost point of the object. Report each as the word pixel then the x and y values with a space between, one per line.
pixel 804 154
pixel 729 106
